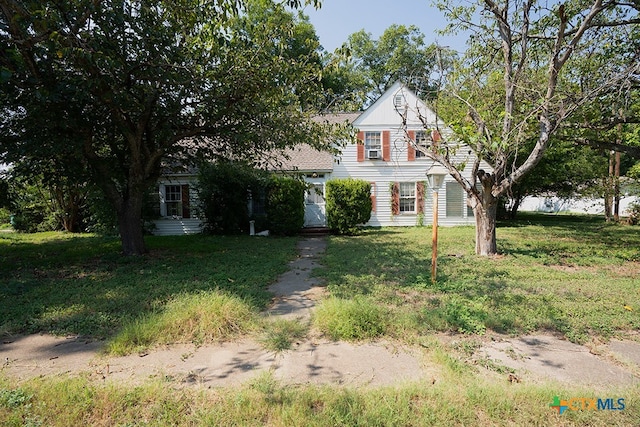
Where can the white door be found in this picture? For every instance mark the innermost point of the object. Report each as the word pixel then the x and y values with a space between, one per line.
pixel 314 211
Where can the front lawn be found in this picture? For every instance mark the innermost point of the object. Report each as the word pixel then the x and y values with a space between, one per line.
pixel 79 284
pixel 574 275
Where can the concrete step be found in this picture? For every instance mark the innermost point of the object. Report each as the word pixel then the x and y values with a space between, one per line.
pixel 315 231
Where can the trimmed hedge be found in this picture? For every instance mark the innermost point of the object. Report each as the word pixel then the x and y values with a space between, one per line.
pixel 348 204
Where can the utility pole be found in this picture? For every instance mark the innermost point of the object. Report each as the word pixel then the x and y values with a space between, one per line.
pixel 616 179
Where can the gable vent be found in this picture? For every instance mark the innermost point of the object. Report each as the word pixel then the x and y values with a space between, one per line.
pixel 398 100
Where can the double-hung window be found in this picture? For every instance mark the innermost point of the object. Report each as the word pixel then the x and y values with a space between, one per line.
pixel 373 145
pixel 407 197
pixel 423 140
pixel 173 200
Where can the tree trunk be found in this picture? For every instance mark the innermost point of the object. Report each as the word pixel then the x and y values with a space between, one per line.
pixel 516 200
pixel 485 211
pixel 608 191
pixel 130 227
pixel 485 215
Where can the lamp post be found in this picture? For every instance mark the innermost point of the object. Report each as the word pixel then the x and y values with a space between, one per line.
pixel 435 176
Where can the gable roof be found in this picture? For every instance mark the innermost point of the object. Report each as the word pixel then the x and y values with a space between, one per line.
pixel 385 111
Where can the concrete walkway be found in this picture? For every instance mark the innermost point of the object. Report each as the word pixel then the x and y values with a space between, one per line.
pixel 296 291
pixel 314 361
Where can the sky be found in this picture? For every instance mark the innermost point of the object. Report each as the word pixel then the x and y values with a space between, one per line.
pixel 337 19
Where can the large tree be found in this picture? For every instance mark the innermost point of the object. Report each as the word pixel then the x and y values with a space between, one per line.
pixel 123 86
pixel 565 171
pixel 368 66
pixel 536 50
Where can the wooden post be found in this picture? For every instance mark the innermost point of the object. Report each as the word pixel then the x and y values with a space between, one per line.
pixel 616 178
pixel 434 239
pixel 616 187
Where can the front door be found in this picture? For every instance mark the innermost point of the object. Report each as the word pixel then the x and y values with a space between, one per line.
pixel 314 212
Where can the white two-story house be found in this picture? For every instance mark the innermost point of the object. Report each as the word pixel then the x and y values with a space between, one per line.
pixel 384 156
pixel 387 159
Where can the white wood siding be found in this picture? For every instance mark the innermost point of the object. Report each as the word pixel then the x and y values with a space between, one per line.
pixel 167 225
pixel 399 169
pixel 382 116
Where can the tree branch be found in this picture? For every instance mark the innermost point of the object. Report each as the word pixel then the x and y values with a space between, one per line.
pixel 630 150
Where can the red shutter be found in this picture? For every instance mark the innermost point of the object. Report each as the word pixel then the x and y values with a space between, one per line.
pixel 186 213
pixel 411 151
pixel 420 197
pixel 373 196
pixel 360 146
pixel 386 145
pixel 436 137
pixel 395 199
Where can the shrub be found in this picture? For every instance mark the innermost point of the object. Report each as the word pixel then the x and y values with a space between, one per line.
pixel 285 205
pixel 223 191
pixel 101 216
pixel 33 216
pixel 348 204
pixel 5 216
pixel 41 205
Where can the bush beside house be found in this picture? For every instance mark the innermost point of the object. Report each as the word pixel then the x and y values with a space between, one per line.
pixel 348 204
pixel 223 190
pixel 285 205
pixel 233 194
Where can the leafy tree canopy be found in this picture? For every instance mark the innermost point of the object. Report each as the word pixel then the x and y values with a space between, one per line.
pixel 531 67
pixel 368 67
pixel 121 87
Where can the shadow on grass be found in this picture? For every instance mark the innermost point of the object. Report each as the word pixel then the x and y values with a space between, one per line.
pixel 586 230
pixel 82 286
pixel 512 293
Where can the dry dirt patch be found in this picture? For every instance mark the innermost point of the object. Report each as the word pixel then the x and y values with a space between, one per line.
pixel 536 358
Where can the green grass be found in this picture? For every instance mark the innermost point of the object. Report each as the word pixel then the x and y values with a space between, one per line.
pixel 574 275
pixel 458 399
pixel 351 319
pixel 203 317
pixel 80 284
pixel 280 334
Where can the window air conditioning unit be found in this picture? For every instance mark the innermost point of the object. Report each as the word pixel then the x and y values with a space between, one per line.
pixel 374 154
